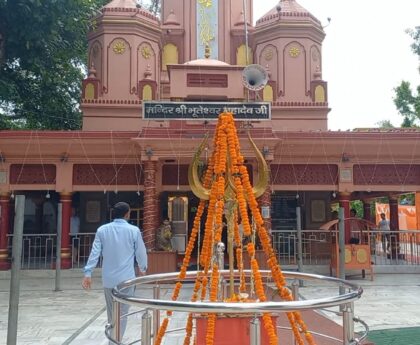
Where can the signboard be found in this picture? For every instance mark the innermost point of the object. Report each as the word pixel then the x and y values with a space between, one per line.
pixel 205 110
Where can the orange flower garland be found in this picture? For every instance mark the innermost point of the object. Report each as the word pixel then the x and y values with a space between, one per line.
pixel 226 161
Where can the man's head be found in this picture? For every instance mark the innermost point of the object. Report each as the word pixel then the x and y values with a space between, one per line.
pixel 121 210
pixel 383 215
pixel 353 212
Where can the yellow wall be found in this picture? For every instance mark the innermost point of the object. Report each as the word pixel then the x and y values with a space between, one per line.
pixel 147 94
pixel 170 55
pixel 241 56
pixel 319 94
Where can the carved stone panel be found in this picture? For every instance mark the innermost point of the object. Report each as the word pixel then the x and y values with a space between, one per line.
pixel 386 174
pixel 32 174
pixel 304 174
pixel 107 174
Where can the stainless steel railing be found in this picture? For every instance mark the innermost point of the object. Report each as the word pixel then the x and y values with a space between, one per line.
pixel 387 247
pixel 39 250
pixel 351 293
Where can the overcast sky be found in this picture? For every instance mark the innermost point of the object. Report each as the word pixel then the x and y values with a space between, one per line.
pixel 366 54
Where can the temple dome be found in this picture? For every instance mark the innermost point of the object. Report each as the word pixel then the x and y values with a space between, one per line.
pixel 206 62
pixel 290 9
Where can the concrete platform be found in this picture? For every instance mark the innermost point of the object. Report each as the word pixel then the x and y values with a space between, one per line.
pixel 76 317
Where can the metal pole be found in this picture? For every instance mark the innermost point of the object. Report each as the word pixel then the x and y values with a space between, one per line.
pixel 220 256
pixel 156 312
pixel 15 274
pixel 116 318
pixel 348 324
pixel 299 243
pixel 146 328
pixel 58 248
pixel 341 248
pixel 295 294
pixel 246 40
pixel 295 290
pixel 255 331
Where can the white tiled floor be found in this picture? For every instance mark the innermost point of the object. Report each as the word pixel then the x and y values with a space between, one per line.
pixel 77 317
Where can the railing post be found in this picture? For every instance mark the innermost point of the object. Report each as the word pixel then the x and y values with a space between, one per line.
pixel 299 242
pixel 255 331
pixel 295 290
pixel 348 324
pixel 146 328
pixel 156 312
pixel 116 321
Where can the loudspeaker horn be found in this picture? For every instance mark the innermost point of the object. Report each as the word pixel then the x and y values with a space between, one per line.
pixel 254 77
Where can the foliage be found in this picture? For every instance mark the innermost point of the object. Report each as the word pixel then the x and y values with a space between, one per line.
pixel 385 124
pixel 42 61
pixel 407 103
pixel 357 205
pixel 152 5
pixel 406 100
pixel 407 199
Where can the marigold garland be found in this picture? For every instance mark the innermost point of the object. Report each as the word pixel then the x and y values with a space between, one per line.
pixel 226 161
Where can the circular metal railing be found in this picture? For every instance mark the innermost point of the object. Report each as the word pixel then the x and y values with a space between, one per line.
pixel 348 294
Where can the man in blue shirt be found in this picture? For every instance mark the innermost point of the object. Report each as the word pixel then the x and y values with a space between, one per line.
pixel 119 243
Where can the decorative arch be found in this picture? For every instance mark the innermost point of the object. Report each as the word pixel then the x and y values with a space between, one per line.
pixel 315 59
pixel 295 72
pixel 96 58
pixel 119 68
pixel 241 55
pixel 170 55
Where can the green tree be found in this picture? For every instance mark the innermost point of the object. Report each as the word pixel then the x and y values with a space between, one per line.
pixel 386 124
pixel 43 50
pixel 153 6
pixel 406 99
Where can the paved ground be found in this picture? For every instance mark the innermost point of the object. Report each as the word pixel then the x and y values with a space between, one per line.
pixel 76 317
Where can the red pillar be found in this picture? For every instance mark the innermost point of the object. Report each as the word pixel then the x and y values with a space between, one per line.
pixel 4 229
pixel 344 201
pixel 65 199
pixel 367 215
pixel 150 212
pixel 394 225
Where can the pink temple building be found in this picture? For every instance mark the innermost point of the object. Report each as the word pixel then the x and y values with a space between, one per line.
pixel 194 54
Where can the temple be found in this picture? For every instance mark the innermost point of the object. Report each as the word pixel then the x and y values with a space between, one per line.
pixel 152 88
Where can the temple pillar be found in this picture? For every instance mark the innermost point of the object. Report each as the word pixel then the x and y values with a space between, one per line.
pixel 4 230
pixel 367 214
pixel 344 201
pixel 65 199
pixel 394 225
pixel 150 211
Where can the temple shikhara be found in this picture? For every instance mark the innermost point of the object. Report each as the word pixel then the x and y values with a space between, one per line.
pixel 155 87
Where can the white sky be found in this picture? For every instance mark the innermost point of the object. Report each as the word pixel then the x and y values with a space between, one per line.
pixel 366 54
